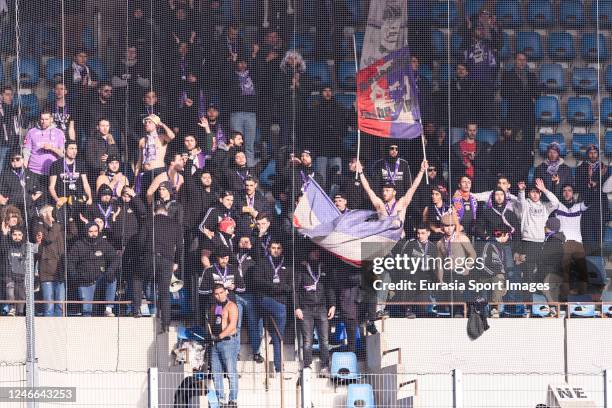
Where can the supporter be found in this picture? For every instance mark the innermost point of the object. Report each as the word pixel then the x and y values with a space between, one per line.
pixel 264 236
pixel 466 206
pixel 225 237
pixel 589 176
pixel 92 261
pixel 196 158
pixel 198 196
pixel 51 258
pixel 420 248
pixel 497 259
pixel 511 157
pixel 100 146
pixel 553 170
pixel 315 305
pixel 183 30
pixel 224 209
pixel 471 157
pixel 238 171
pixel 10 126
pixel 18 184
pixel 520 88
pixel 341 202
pixel 159 257
pixel 392 170
pixel 222 272
pixel 249 206
pixel 462 96
pixel 221 156
pixel 68 183
pixel 149 105
pixel 172 177
pixel 191 104
pixel 11 216
pixel 249 299
pixel 433 212
pixel 436 147
pixel 104 106
pixel 329 127
pixel 15 250
pixel 389 206
pixel 61 110
pixel 139 28
pixel 533 214
pixel 112 176
pixel 434 180
pixel 503 183
pixel 182 65
pixel 43 145
pixel 569 212
pixel 497 213
pixel 168 201
pixel 426 98
pixel 223 314
pixel 484 40
pixel 297 173
pixel 275 288
pixel 131 78
pixel 81 81
pixel 230 46
pixel 152 152
pixel 550 263
pixel 290 98
pixel 214 133
pixel 241 78
pixel 351 185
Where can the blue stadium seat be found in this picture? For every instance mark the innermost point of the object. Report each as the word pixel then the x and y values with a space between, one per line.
pixel 589 50
pixel 55 68
pixel 503 109
pixel 547 110
pixel 506 50
pixel 552 77
pixel 87 39
pixel 267 175
pixel 444 73
pixel 580 306
pixel 30 107
pixel 608 79
pixel 540 13
pixel 360 396
pixel 344 366
pixel 584 80
pixel 29 71
pixel 606 111
pixel 608 143
pixel 580 142
pixel 513 310
pixel 472 7
pixel 438 43
pixel 349 141
pixel 561 46
pixel 487 135
pixel 546 139
pixel 508 13
pixel 318 73
pixel 605 13
pixel 606 309
pixel 531 175
pixel 596 268
pixel 456 43
pixel 347 75
pixel 249 11
pixel 425 71
pixel 529 43
pixel 305 44
pixel 571 13
pixel 98 67
pixel 539 308
pixel 359 11
pixel 346 100
pixel 580 111
pixel 440 12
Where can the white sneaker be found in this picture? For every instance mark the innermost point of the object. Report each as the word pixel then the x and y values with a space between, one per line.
pixel 12 312
pixel 494 313
pixel 109 312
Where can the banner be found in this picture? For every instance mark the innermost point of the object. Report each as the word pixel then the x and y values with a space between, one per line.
pixel 387 98
pixel 386 30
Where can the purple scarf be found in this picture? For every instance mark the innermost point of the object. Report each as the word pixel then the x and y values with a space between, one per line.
pixel 461 209
pixel 246 84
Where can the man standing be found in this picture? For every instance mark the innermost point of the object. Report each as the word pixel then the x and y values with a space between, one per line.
pixel 62 112
pixel 553 171
pixel 92 261
pixel 161 241
pixel 393 170
pixel 152 152
pixel 99 147
pixel 43 145
pixel 466 205
pixel 315 305
pixel 249 206
pixel 223 315
pixel 470 157
pixel 9 125
pixel 14 180
pixel 497 258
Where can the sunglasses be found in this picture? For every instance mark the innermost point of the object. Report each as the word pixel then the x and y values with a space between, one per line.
pixel 431 169
pixel 393 148
pixel 16 159
pixel 498 234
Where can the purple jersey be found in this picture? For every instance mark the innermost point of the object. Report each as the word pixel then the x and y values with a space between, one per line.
pixel 40 159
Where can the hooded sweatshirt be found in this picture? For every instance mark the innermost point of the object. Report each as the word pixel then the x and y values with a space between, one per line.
pixel 534 215
pixel 569 214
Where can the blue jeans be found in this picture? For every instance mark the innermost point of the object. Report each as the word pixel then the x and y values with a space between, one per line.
pixel 278 311
pixel 322 166
pixel 224 360
pixel 246 123
pixel 53 291
pixel 88 292
pixel 248 302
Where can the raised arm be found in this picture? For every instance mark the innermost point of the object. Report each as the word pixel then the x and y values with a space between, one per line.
pixel 376 202
pixel 407 198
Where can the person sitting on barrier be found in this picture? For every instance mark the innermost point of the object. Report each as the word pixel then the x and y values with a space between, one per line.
pixel 223 318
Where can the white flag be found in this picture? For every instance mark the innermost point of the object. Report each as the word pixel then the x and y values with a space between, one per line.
pixel 387 30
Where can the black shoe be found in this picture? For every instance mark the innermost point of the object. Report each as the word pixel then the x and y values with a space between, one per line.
pixel 371 328
pixel 137 315
pixel 382 313
pixel 258 358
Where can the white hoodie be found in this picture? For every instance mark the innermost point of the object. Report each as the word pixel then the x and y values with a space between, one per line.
pixel 533 215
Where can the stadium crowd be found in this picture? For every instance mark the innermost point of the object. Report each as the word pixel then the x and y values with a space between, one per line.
pixel 120 185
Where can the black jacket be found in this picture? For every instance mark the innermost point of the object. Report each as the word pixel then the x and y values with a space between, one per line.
pixel 245 224
pixel 357 198
pixel 329 129
pixel 212 275
pixel 564 172
pixel 520 95
pixel 168 238
pixel 310 294
pixel 549 262
pixel 10 187
pixel 96 148
pixel 384 172
pixel 489 218
pixel 233 177
pixel 280 289
pixel 89 259
pixel 512 158
pixel 124 230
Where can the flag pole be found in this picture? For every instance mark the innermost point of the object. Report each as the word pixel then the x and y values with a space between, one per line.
pixel 358 129
pixel 424 156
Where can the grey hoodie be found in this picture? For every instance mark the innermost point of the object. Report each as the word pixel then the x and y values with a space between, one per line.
pixel 533 215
